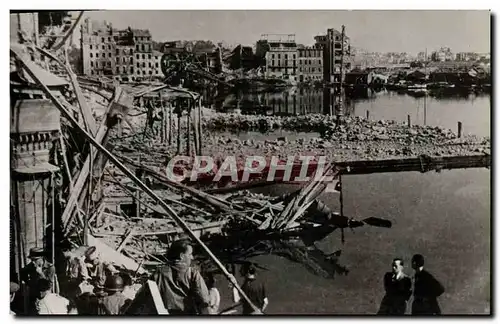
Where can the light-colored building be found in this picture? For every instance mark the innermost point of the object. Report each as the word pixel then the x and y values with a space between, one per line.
pixel 310 62
pixel 280 53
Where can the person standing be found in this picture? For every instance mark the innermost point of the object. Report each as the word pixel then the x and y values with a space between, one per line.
pixel 14 288
pixel 115 301
pixel 50 303
pixel 39 268
pixel 183 289
pixel 95 269
pixel 426 290
pixel 397 290
pixel 255 290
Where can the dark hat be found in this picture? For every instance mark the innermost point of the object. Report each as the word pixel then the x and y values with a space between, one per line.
pixel 36 253
pixel 13 287
pixel 114 283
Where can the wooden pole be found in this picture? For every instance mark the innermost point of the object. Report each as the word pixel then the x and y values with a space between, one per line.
pixel 163 117
pixel 138 182
pixel 459 129
pixel 200 128
pixel 194 113
pixel 409 121
pixel 367 114
pixel 170 123
pixel 179 113
pixel 188 130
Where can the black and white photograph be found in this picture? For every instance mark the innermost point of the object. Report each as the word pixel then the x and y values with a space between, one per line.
pixel 202 163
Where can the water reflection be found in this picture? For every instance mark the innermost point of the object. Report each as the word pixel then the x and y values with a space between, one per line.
pixel 436 107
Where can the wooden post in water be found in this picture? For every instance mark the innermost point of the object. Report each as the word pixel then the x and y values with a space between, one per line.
pixel 367 114
pixel 409 121
pixel 459 129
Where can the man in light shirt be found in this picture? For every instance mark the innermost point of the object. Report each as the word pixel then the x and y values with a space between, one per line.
pixel 50 303
pixel 214 295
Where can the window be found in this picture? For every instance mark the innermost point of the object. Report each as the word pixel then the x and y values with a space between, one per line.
pixel 92 72
pixel 143 64
pixel 137 47
pixel 97 64
pixel 109 47
pixel 117 60
pixel 279 62
pixel 156 65
pixel 149 56
pixel 124 60
pixel 109 39
pixel 156 71
pixel 91 63
pixel 109 64
pixel 143 56
pixel 150 72
pixel 117 51
pixel 132 70
pixel 143 49
pixel 117 69
pixel 124 70
pixel 138 65
pixel 294 56
pixel 144 72
pixel 313 70
pixel 109 54
pixel 131 52
pixel 90 46
pixel 319 61
pixel 102 39
pixel 156 57
pixel 91 55
pixel 137 56
pixel 149 64
pixel 96 54
pixel 279 56
pixel 103 47
pixel 286 56
pixel 131 60
pixel 272 56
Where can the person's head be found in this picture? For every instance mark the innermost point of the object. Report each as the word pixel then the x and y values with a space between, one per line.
pixel 113 284
pixel 37 256
pixel 13 289
pixel 44 287
pixel 181 250
pixel 397 265
pixel 417 261
pixel 91 255
pixel 248 270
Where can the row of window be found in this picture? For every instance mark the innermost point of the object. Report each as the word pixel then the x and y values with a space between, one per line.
pixel 273 63
pixel 102 46
pixel 139 72
pixel 140 38
pixel 103 64
pixel 97 55
pixel 149 65
pixel 279 56
pixel 310 62
pixel 310 70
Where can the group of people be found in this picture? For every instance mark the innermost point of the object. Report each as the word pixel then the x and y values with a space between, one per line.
pixel 399 288
pixel 95 287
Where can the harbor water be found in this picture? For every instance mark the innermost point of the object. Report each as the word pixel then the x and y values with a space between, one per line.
pixel 445 216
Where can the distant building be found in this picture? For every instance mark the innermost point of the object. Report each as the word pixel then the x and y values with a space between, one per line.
pixel 280 54
pixel 310 63
pixel 331 44
pixel 125 55
pixel 444 54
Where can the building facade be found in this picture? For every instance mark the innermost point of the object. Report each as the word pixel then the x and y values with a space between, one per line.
pixel 331 44
pixel 280 54
pixel 310 62
pixel 125 55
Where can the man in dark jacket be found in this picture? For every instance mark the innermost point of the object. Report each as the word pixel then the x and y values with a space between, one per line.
pixel 181 286
pixel 426 290
pixel 397 290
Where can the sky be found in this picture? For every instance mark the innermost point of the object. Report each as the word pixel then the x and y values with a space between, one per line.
pixel 409 31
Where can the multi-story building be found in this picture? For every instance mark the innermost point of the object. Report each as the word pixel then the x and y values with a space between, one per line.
pixel 310 62
pixel 125 55
pixel 280 54
pixel 331 43
pixel 98 49
pixel 444 54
